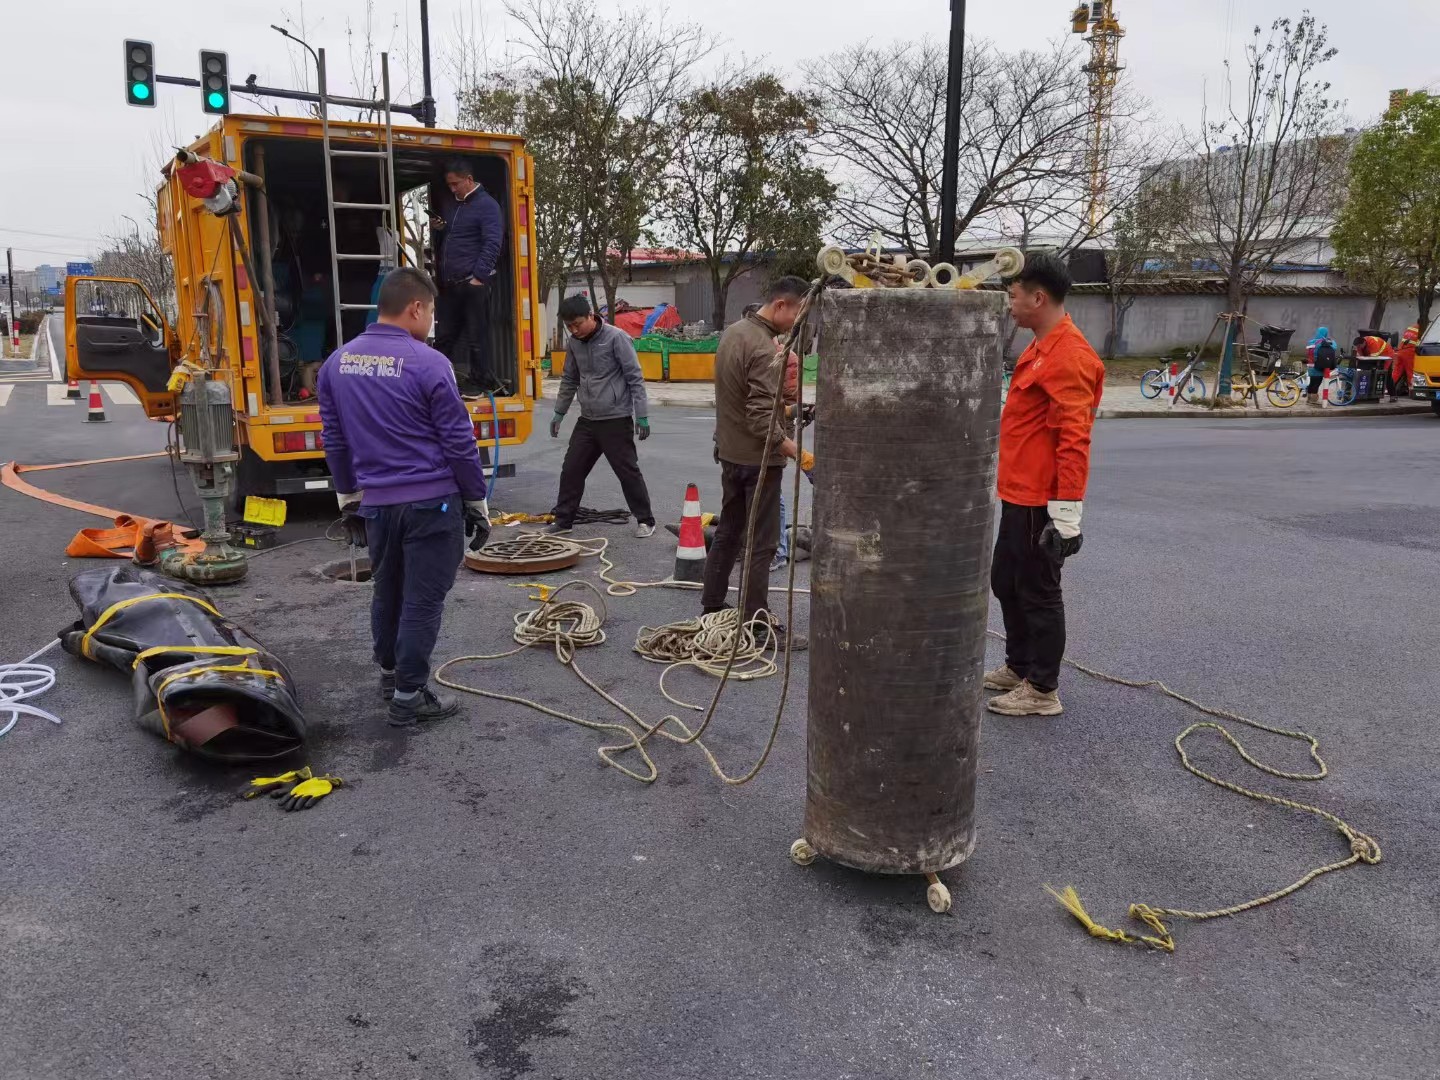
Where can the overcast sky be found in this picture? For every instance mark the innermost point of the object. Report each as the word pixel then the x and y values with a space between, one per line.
pixel 73 155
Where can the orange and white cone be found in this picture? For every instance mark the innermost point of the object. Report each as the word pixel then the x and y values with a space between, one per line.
pixel 97 406
pixel 690 550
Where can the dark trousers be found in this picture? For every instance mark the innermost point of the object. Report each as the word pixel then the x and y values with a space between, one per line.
pixel 415 551
pixel 462 330
pixel 1026 581
pixel 615 441
pixel 737 483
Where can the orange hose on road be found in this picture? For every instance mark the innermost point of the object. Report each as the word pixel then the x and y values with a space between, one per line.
pixel 113 543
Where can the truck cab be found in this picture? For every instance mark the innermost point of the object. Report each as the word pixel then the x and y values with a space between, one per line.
pixel 118 329
pixel 1425 383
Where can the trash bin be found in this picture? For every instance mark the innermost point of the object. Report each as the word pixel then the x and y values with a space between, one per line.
pixel 1369 377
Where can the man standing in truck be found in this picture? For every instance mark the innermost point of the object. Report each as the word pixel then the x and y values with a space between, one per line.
pixel 401 447
pixel 471 233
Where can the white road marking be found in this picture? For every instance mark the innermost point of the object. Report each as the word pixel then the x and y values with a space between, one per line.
pixel 55 394
pixel 5 389
pixel 120 394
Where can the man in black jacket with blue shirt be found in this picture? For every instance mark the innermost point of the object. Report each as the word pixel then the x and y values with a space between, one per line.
pixel 601 368
pixel 471 233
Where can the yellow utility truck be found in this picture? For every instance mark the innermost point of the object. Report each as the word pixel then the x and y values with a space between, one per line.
pixel 277 267
pixel 1425 383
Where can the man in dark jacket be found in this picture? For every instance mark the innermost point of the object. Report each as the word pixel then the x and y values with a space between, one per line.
pixel 601 368
pixel 753 448
pixel 471 233
pixel 401 447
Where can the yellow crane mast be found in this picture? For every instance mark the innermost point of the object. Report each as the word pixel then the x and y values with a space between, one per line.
pixel 1097 19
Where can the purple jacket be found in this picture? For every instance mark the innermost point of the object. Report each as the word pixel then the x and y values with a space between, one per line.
pixel 394 424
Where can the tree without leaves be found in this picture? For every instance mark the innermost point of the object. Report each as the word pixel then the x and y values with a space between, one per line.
pixel 1024 127
pixel 1388 236
pixel 1263 179
pixel 1144 230
pixel 614 78
pixel 740 181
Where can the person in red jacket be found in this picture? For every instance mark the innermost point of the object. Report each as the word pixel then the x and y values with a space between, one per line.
pixel 1044 466
pixel 1405 359
pixel 1379 348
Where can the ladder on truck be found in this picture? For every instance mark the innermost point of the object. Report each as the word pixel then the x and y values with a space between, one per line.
pixel 384 157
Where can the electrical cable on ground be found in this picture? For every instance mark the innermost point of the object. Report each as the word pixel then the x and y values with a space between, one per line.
pixel 1363 847
pixel 22 681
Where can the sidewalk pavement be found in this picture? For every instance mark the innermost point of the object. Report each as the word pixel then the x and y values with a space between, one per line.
pixel 1119 403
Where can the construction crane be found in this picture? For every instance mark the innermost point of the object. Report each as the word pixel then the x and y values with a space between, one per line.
pixel 1097 19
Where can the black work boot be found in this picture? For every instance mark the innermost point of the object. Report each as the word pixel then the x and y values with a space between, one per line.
pixel 781 634
pixel 421 708
pixel 387 684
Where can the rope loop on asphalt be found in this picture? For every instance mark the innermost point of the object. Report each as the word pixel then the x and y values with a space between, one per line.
pixel 1363 847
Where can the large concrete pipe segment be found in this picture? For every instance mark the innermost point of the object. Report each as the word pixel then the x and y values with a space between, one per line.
pixel 908 411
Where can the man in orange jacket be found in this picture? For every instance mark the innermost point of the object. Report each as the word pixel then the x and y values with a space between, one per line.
pixel 1379 348
pixel 1404 367
pixel 1044 465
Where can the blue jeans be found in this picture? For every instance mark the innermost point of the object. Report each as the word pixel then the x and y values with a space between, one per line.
pixel 415 551
pixel 783 551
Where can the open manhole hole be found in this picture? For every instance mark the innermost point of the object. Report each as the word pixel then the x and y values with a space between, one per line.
pixel 339 570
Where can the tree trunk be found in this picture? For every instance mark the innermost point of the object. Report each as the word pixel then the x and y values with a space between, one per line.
pixel 1426 300
pixel 1377 311
pixel 1235 301
pixel 1112 338
pixel 720 291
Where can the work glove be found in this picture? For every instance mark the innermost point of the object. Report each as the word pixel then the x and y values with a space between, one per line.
pixel 477 522
pixel 1061 536
pixel 642 424
pixel 350 520
pixel 807 461
pixel 555 424
pixel 263 785
pixel 307 793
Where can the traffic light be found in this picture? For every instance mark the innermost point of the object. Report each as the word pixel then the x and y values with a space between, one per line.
pixel 140 73
pixel 214 82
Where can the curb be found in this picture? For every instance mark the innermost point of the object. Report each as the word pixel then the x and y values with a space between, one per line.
pixel 1265 414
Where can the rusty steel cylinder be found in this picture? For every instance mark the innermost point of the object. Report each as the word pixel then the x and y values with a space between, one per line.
pixel 908 413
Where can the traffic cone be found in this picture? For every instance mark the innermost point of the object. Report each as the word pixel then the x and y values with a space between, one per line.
pixel 72 389
pixel 690 548
pixel 97 406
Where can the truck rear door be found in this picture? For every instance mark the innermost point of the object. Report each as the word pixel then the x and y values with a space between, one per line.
pixel 115 332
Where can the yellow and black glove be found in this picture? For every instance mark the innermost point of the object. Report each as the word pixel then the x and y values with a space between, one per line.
pixel 307 793
pixel 262 785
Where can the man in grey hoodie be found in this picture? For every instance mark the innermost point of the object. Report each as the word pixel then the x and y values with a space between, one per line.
pixel 601 368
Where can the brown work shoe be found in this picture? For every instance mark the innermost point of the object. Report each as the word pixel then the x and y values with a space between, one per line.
pixel 1025 700
pixel 1002 678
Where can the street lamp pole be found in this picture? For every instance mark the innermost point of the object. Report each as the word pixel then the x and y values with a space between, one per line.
pixel 950 175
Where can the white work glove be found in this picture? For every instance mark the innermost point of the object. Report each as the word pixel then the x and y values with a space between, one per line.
pixel 1061 536
pixel 347 501
pixel 1066 516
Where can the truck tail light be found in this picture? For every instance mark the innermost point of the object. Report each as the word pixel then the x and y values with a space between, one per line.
pixel 484 432
pixel 298 442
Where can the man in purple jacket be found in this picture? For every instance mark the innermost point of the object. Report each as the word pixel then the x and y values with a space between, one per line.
pixel 471 231
pixel 401 447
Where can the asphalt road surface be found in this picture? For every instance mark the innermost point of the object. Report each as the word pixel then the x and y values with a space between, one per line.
pixel 486 900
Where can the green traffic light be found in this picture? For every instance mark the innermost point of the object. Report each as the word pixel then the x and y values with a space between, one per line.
pixel 216 100
pixel 140 91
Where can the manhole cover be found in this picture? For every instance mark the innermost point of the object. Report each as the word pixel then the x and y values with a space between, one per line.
pixel 531 555
pixel 339 570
